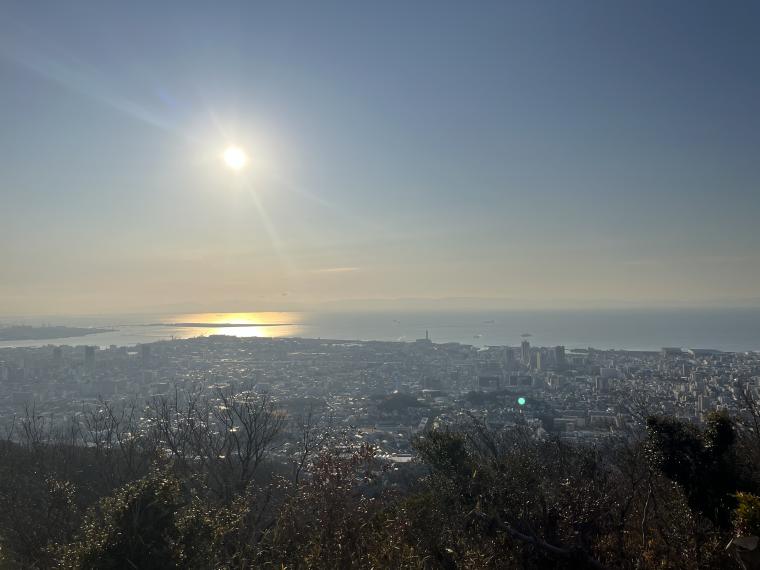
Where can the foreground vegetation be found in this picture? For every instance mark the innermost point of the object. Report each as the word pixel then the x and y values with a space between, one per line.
pixel 212 483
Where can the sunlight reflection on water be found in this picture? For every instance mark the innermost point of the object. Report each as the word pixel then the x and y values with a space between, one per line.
pixel 263 324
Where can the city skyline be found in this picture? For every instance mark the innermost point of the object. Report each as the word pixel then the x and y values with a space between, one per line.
pixel 529 155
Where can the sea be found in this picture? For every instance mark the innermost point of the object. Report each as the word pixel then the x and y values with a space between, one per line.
pixel 732 329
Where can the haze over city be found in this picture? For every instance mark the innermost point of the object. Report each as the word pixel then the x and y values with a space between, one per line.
pixel 505 155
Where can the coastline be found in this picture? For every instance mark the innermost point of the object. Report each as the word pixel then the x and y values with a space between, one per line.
pixel 28 332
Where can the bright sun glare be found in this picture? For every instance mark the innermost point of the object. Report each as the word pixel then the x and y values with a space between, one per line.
pixel 235 157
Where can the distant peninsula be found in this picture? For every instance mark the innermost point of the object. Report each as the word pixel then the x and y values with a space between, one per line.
pixel 218 325
pixel 27 332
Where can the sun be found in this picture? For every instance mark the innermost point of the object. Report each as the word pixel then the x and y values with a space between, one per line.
pixel 235 158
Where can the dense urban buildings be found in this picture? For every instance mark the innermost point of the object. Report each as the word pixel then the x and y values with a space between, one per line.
pixel 389 391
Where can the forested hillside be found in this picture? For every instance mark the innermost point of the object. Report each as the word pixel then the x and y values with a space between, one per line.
pixel 213 483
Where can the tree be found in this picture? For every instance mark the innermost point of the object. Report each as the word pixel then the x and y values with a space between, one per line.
pixel 134 528
pixel 703 463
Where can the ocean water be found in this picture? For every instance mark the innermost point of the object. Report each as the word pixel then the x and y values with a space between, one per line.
pixel 722 329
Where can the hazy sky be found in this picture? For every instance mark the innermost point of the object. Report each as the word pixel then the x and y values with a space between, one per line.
pixel 545 152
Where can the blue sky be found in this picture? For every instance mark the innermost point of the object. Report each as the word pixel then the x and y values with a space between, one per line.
pixel 549 153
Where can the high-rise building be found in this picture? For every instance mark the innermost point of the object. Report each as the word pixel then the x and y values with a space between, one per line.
pixel 525 352
pixel 559 356
pixel 490 376
pixel 509 358
pixel 608 372
pixel 89 358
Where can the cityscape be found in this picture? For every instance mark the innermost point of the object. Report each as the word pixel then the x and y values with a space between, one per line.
pixel 350 285
pixel 388 392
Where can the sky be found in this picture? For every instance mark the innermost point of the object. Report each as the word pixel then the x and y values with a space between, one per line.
pixel 530 154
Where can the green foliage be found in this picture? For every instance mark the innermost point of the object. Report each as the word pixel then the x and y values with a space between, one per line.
pixel 703 463
pixel 37 506
pixel 719 435
pixel 747 515
pixel 445 452
pixel 134 528
pixel 676 449
pixel 474 499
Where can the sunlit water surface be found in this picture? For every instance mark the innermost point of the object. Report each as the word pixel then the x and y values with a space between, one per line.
pixel 723 329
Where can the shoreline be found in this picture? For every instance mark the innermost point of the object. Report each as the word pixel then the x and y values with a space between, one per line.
pixel 20 333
